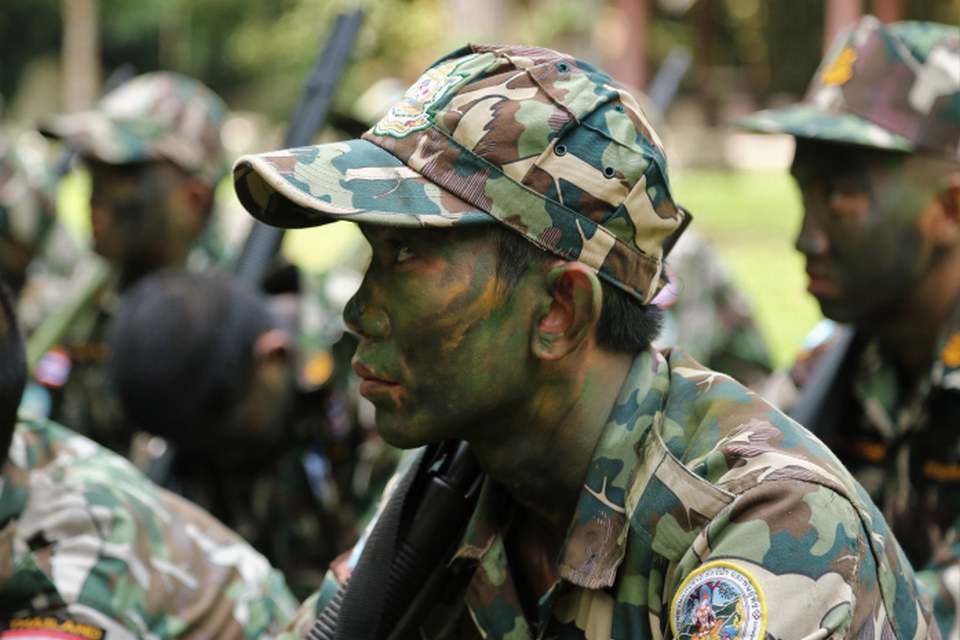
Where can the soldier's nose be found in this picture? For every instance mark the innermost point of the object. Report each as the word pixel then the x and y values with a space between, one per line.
pixel 811 240
pixel 366 320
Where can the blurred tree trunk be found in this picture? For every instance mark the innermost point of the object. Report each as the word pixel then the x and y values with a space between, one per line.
pixel 631 68
pixel 81 54
pixel 888 10
pixel 840 15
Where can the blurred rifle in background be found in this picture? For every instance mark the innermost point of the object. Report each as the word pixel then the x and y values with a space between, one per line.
pixel 263 242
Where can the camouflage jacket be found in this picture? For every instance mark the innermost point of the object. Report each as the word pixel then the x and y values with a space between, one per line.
pixel 90 549
pixel 903 445
pixel 705 513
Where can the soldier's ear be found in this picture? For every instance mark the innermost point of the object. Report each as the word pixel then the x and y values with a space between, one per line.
pixel 570 318
pixel 198 196
pixel 273 347
pixel 941 219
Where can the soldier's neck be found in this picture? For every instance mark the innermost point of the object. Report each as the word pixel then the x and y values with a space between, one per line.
pixel 910 336
pixel 541 455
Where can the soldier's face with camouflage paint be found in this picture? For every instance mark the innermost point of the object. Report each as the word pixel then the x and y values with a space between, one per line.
pixel 443 352
pixel 143 216
pixel 861 233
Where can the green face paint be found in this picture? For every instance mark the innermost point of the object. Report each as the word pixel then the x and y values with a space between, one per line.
pixel 860 234
pixel 443 352
pixel 129 214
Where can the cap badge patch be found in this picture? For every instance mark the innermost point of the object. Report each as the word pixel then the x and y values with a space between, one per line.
pixel 411 113
pixel 951 351
pixel 841 69
pixel 718 600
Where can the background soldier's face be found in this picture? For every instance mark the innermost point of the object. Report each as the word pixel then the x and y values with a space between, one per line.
pixel 443 351
pixel 861 236
pixel 134 214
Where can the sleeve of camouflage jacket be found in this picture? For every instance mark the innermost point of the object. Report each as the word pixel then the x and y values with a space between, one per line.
pixel 942 580
pixel 797 555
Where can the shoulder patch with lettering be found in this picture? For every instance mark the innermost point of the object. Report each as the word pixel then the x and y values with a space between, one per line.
pixel 718 600
pixel 43 626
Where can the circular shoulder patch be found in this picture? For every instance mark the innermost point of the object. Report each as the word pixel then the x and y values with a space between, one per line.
pixel 718 601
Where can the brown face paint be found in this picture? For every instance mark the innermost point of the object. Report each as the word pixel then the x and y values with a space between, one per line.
pixel 860 234
pixel 443 354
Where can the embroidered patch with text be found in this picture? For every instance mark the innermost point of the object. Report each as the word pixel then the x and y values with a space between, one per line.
pixel 718 600
pixel 37 627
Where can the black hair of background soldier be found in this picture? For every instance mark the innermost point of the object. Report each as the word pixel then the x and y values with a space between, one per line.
pixel 182 352
pixel 13 369
pixel 625 324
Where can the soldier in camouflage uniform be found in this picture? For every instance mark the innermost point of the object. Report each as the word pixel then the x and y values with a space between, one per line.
pixel 90 549
pixel 258 436
pixel 517 203
pixel 878 165
pixel 37 254
pixel 154 153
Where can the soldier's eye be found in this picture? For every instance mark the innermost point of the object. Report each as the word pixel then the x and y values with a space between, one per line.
pixel 403 254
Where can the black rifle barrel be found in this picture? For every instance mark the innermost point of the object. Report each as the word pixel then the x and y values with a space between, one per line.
pixel 264 241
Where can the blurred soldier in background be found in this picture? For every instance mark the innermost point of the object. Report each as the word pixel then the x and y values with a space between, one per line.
pixel 262 438
pixel 153 150
pixel 878 165
pixel 707 315
pixel 37 254
pixel 90 548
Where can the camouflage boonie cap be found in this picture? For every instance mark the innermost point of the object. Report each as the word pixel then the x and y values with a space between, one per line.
pixel 890 86
pixel 533 139
pixel 158 115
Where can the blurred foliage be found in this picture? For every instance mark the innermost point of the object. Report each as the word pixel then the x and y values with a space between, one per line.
pixel 256 53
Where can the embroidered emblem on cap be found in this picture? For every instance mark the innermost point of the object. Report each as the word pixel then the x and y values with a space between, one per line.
pixel 412 112
pixel 951 351
pixel 841 69
pixel 718 600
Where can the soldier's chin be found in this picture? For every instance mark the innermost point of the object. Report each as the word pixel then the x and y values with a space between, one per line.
pixel 837 310
pixel 400 433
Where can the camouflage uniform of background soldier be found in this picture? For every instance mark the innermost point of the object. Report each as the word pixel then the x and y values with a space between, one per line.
pixel 90 549
pixel 701 511
pixel 154 153
pixel 257 421
pixel 37 255
pixel 878 163
pixel 708 316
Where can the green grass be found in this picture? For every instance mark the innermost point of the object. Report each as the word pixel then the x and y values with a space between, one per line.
pixel 750 217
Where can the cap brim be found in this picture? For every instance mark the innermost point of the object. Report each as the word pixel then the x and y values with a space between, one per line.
pixel 809 121
pixel 353 180
pixel 93 134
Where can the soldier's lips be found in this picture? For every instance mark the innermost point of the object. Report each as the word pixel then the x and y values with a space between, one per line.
pixel 821 285
pixel 375 387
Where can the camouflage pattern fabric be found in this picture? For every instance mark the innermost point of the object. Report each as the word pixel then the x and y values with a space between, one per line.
pixel 37 255
pixel 91 548
pixel 158 115
pixel 903 446
pixel 706 314
pixel 705 513
pixel 526 137
pixel 890 86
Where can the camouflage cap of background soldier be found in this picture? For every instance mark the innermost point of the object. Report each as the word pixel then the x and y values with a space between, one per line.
pixel 533 139
pixel 890 86
pixel 154 116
